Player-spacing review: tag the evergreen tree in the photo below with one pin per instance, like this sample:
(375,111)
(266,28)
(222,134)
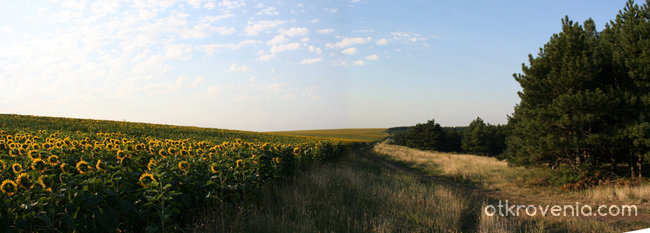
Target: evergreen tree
(564,114)
(628,39)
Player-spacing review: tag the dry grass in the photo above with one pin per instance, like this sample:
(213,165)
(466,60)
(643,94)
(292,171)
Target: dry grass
(493,174)
(630,195)
(361,194)
(353,195)
(486,172)
(364,134)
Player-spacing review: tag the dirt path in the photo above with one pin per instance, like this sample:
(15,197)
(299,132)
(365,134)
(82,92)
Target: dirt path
(642,219)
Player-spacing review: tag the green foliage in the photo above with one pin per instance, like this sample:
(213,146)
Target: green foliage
(78,181)
(429,136)
(484,139)
(584,99)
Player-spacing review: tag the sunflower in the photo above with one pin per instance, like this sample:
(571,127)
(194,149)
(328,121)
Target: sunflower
(162,153)
(239,162)
(39,165)
(34,154)
(152,163)
(3,165)
(36,146)
(296,151)
(14,152)
(171,151)
(120,154)
(53,160)
(276,160)
(81,165)
(185,153)
(144,176)
(63,168)
(213,168)
(99,165)
(17,168)
(23,181)
(9,187)
(41,181)
(183,165)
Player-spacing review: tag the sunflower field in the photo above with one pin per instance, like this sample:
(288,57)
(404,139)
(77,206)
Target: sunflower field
(69,175)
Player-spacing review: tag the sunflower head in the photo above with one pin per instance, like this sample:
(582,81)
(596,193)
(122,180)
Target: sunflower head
(65,168)
(23,181)
(9,187)
(39,165)
(17,168)
(162,153)
(296,151)
(152,164)
(3,165)
(171,151)
(44,183)
(147,179)
(100,166)
(239,163)
(213,168)
(53,160)
(183,165)
(82,167)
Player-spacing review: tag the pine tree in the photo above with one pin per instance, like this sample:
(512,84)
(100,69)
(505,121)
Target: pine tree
(628,39)
(567,93)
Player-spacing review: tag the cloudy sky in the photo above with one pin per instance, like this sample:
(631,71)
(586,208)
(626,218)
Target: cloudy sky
(275,65)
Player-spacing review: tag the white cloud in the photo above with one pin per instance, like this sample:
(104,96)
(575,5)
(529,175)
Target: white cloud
(325,31)
(194,3)
(209,5)
(214,18)
(347,42)
(311,60)
(268,11)
(234,67)
(277,40)
(331,10)
(232,4)
(313,49)
(284,47)
(225,30)
(294,31)
(359,62)
(178,51)
(373,57)
(382,41)
(211,49)
(408,36)
(254,28)
(350,51)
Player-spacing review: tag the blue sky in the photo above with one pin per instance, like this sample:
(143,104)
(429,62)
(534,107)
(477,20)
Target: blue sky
(275,65)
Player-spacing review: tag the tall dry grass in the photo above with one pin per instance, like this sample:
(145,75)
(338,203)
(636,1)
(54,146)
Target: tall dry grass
(360,194)
(493,174)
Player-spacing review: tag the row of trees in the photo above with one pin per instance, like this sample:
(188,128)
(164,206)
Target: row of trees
(585,97)
(478,138)
(585,103)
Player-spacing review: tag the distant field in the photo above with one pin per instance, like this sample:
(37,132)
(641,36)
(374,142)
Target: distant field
(369,134)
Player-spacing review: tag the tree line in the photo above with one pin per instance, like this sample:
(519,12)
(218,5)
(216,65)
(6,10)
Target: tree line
(584,103)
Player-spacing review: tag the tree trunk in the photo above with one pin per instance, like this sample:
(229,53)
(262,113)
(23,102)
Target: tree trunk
(640,166)
(630,164)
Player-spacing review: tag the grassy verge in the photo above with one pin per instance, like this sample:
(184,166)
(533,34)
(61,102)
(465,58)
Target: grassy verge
(359,193)
(496,180)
